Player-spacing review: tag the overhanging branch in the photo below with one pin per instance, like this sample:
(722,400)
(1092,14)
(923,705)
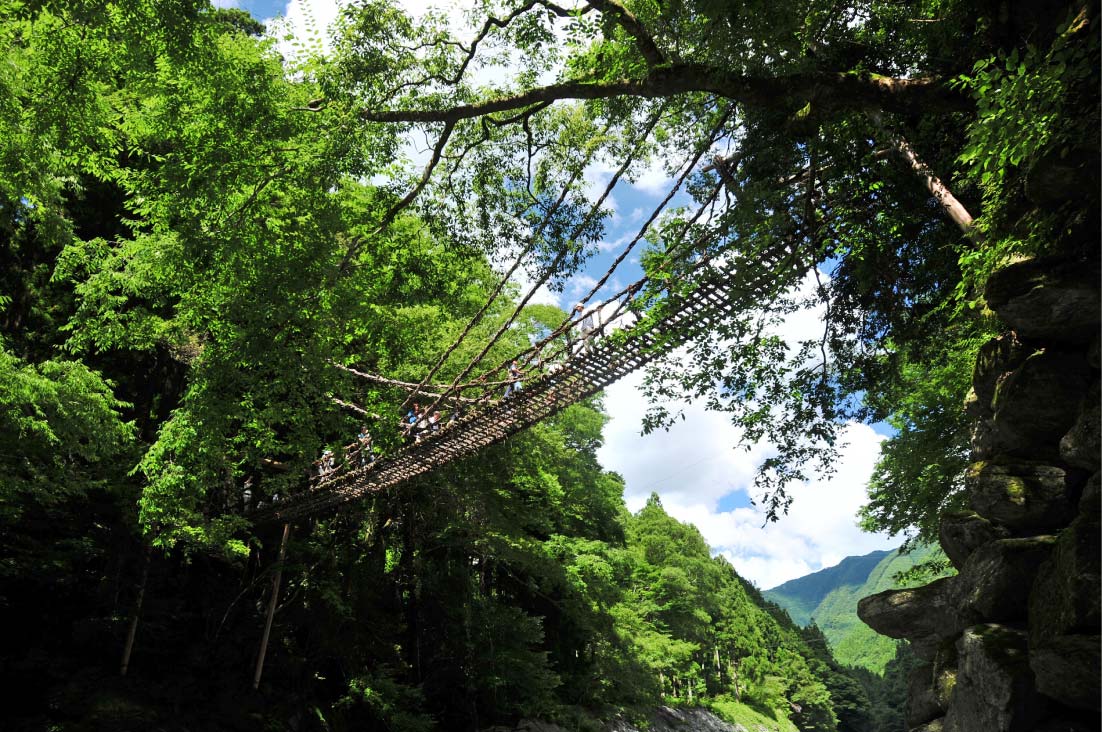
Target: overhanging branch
(830,90)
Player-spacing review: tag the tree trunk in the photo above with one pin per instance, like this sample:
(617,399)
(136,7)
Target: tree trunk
(949,203)
(272,601)
(132,633)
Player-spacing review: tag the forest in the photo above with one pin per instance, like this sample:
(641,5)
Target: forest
(203,230)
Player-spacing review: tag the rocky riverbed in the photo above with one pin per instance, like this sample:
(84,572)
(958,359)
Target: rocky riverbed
(663,719)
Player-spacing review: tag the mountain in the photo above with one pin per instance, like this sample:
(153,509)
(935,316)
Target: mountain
(829,599)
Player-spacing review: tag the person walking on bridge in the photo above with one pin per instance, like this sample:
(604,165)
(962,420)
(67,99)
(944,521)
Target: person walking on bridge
(515,382)
(587,326)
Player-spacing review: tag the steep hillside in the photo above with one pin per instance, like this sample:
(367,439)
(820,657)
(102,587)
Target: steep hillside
(829,599)
(801,597)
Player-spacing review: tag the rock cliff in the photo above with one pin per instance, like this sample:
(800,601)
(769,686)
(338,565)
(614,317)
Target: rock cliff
(1012,642)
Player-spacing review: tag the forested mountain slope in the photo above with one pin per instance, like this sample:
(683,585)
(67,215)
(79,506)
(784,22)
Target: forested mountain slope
(801,596)
(828,598)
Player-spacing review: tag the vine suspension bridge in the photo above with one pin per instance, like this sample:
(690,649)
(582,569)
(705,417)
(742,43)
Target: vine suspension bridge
(627,343)
(698,292)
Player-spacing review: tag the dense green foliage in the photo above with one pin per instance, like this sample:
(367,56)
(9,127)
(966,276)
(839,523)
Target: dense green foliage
(189,242)
(803,108)
(185,255)
(884,691)
(828,600)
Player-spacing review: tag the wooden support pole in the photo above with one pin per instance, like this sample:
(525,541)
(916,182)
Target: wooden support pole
(132,633)
(272,601)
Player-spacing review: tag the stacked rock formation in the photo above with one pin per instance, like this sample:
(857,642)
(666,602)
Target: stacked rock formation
(1012,641)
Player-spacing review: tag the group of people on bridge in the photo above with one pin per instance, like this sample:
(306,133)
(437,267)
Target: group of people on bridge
(418,422)
(360,454)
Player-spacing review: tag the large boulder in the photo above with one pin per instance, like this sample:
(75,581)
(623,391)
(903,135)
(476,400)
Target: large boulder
(962,532)
(994,360)
(1058,176)
(995,689)
(922,697)
(1063,723)
(1028,497)
(1067,668)
(919,614)
(1065,597)
(1038,402)
(994,584)
(1081,447)
(1091,499)
(945,674)
(983,439)
(1048,299)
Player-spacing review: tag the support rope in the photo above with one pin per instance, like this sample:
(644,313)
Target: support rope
(651,123)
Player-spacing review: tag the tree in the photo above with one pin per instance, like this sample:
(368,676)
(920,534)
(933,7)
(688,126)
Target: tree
(812,116)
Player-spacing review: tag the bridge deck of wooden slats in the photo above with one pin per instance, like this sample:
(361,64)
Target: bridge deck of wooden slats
(586,373)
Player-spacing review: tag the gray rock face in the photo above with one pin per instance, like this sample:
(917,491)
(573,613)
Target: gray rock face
(1025,496)
(916,614)
(1037,403)
(1065,597)
(995,689)
(974,407)
(962,532)
(945,674)
(922,698)
(1081,447)
(1047,298)
(994,584)
(1014,641)
(936,725)
(1091,500)
(1067,668)
(1066,724)
(1055,178)
(983,439)
(994,360)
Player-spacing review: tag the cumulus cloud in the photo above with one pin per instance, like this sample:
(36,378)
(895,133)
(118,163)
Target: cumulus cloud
(697,464)
(700,469)
(653,179)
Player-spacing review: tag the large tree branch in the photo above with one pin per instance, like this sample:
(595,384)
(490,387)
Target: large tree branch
(828,90)
(643,40)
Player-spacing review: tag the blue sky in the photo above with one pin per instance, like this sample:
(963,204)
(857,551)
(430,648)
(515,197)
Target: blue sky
(260,9)
(699,468)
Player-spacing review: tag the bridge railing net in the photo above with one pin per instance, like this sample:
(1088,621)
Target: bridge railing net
(590,367)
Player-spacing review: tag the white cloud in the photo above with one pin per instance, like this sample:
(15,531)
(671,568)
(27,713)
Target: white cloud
(698,462)
(614,245)
(542,296)
(653,179)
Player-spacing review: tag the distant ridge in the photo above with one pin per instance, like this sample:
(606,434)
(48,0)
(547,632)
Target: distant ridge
(801,596)
(829,598)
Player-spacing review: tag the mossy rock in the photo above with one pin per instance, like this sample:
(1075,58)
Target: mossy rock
(995,690)
(1026,496)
